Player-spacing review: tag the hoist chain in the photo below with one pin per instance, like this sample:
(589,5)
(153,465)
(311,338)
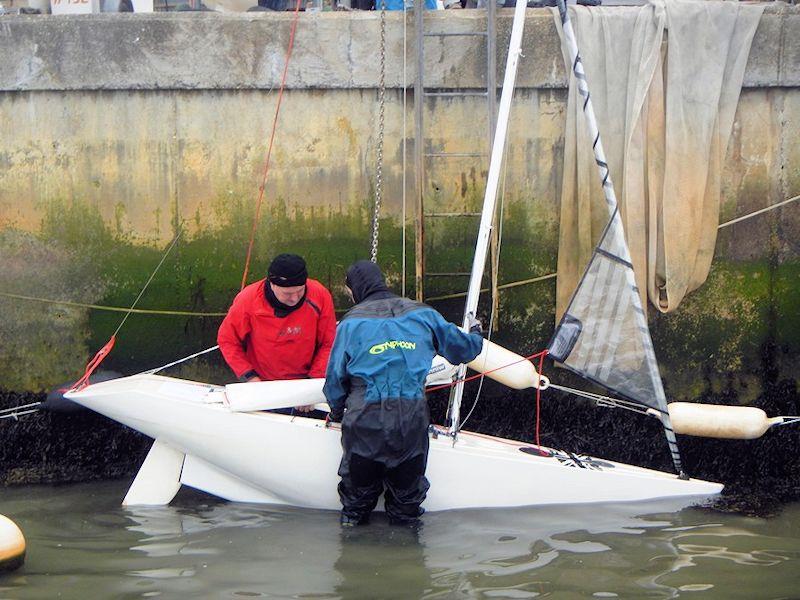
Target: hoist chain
(381,114)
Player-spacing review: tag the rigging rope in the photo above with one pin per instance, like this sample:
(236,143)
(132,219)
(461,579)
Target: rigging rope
(261,188)
(138,311)
(604,401)
(104,351)
(16,415)
(180,360)
(758,212)
(5,411)
(540,355)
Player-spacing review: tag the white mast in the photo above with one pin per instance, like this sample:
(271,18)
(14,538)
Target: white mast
(490,198)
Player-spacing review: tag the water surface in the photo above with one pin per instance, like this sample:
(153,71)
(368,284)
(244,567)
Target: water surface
(83,544)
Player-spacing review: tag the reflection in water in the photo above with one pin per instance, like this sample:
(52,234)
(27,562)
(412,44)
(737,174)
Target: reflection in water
(80,541)
(381,561)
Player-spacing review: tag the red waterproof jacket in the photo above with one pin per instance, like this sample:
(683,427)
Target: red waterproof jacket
(297,346)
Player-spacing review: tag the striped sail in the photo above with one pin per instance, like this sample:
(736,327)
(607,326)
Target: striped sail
(603,334)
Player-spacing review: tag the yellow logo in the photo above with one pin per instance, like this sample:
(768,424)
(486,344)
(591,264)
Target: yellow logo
(391,345)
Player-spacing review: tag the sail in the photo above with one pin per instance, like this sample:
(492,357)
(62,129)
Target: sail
(603,334)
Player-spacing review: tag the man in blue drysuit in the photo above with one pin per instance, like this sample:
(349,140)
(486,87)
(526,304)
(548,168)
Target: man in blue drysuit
(375,385)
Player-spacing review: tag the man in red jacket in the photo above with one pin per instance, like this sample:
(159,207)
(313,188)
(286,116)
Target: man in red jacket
(281,327)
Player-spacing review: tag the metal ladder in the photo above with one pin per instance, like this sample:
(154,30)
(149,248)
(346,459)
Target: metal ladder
(422,157)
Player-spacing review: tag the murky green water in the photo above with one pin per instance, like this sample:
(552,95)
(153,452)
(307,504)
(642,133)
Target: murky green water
(83,544)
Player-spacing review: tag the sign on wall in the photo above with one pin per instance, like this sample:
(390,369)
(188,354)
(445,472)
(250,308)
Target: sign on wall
(74,7)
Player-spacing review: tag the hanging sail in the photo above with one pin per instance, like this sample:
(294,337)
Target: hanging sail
(603,334)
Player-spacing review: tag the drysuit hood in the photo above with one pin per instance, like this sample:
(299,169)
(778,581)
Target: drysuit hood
(364,278)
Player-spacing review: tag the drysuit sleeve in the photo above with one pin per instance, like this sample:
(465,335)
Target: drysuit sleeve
(232,337)
(337,380)
(326,331)
(453,343)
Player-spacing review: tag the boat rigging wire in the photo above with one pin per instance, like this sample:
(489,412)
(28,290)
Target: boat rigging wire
(104,351)
(18,411)
(444,386)
(180,360)
(261,188)
(16,415)
(20,407)
(604,401)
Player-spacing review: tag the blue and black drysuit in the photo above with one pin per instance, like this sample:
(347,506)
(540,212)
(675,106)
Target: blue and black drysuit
(377,368)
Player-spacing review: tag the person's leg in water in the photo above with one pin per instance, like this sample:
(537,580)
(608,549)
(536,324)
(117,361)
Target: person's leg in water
(360,488)
(406,489)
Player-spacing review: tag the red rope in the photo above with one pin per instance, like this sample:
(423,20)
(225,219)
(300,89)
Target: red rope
(539,355)
(542,354)
(271,141)
(94,363)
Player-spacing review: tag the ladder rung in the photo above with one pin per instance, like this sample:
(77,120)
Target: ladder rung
(448,274)
(453,154)
(454,33)
(453,214)
(454,94)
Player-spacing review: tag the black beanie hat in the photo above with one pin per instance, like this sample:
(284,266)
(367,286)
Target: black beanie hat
(287,270)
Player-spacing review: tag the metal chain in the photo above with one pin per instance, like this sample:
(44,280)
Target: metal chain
(373,255)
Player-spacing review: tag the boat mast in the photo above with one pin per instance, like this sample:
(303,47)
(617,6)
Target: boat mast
(490,196)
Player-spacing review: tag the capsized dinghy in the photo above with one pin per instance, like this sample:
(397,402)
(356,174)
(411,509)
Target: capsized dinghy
(202,442)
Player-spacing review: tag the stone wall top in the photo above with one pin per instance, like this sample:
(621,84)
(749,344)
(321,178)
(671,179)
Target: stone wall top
(332,50)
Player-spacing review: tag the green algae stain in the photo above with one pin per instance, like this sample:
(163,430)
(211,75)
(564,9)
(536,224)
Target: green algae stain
(43,344)
(715,339)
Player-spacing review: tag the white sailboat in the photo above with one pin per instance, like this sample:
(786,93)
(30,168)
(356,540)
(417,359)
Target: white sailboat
(217,439)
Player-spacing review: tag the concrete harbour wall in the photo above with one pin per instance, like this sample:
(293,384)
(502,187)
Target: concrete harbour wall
(117,129)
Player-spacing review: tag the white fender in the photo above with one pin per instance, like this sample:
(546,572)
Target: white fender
(516,372)
(158,479)
(12,545)
(714,421)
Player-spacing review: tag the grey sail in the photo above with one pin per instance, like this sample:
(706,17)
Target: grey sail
(603,334)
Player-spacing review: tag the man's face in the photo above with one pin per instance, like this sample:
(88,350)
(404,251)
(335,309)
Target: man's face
(288,295)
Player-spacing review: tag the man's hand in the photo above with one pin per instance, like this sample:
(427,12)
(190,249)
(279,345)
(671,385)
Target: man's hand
(474,324)
(254,378)
(304,409)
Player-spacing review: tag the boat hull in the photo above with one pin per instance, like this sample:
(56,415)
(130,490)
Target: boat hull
(279,459)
